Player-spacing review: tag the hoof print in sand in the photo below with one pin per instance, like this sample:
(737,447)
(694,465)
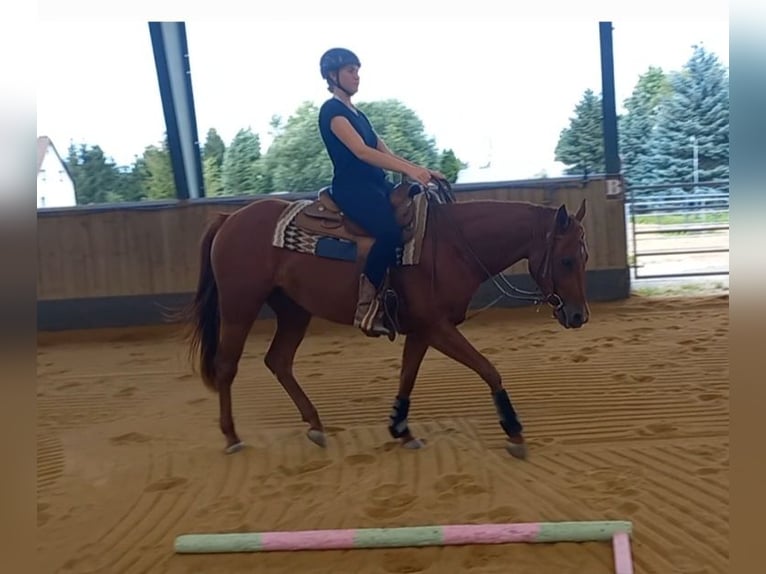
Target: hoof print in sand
(388,501)
(165,484)
(130,438)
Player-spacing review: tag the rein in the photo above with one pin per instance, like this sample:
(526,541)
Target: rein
(500,281)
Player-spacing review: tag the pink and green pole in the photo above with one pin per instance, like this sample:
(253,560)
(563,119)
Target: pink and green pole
(450,535)
(623,560)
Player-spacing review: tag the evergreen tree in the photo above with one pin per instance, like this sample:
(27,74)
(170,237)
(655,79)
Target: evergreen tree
(214,148)
(581,145)
(96,177)
(131,186)
(155,170)
(636,127)
(241,169)
(698,110)
(212,174)
(213,153)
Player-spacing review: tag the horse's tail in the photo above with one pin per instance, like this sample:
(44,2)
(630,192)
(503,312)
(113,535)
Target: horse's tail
(203,313)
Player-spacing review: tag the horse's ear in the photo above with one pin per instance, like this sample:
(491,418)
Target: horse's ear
(562,219)
(581,211)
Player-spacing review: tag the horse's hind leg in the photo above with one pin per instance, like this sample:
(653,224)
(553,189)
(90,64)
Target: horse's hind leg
(236,322)
(292,322)
(232,342)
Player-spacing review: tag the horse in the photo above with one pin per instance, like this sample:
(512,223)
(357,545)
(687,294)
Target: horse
(247,261)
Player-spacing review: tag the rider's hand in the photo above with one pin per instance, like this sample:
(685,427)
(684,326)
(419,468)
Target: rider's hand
(437,175)
(421,175)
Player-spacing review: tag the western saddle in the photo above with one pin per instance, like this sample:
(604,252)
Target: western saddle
(323,216)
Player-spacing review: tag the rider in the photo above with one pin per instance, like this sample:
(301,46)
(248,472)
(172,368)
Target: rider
(359,184)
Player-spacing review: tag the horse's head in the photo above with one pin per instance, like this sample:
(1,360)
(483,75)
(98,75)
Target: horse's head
(558,267)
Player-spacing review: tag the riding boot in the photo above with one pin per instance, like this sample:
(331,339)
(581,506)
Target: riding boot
(370,316)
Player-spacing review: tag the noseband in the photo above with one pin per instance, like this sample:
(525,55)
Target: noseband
(500,281)
(545,274)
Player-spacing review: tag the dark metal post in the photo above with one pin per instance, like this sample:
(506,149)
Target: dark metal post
(174,77)
(608,102)
(609,111)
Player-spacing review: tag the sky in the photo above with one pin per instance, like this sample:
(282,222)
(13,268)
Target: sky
(495,89)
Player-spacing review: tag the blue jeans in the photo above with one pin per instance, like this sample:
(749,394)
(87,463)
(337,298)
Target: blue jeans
(371,209)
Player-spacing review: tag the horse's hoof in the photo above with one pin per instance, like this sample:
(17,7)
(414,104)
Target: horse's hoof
(317,437)
(236,447)
(414,444)
(517,450)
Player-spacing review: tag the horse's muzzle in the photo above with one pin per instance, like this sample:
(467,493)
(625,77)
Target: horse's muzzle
(570,317)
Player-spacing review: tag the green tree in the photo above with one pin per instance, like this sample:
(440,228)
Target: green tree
(213,153)
(450,165)
(96,177)
(403,131)
(131,187)
(698,109)
(214,148)
(296,160)
(154,168)
(581,145)
(212,174)
(241,165)
(636,126)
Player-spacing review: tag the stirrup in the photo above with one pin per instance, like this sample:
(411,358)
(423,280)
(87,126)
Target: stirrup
(373,323)
(390,302)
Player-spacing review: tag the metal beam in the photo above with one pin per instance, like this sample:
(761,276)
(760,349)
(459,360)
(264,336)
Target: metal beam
(608,101)
(171,59)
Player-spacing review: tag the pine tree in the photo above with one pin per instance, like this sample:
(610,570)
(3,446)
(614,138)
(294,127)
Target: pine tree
(214,148)
(96,177)
(241,167)
(156,171)
(581,145)
(635,128)
(213,153)
(697,110)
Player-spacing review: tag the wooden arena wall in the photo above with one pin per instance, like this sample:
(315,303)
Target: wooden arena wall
(118,265)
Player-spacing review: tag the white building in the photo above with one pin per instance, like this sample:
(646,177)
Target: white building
(55,185)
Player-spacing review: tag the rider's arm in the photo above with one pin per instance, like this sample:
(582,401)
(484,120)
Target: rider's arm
(385,149)
(346,133)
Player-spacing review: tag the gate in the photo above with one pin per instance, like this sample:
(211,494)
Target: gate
(678,229)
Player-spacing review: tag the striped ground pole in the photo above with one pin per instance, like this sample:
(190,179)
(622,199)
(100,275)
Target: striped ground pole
(449,535)
(623,561)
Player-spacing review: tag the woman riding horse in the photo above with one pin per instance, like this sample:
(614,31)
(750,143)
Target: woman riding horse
(359,184)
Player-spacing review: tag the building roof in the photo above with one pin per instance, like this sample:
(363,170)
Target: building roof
(42,146)
(43,142)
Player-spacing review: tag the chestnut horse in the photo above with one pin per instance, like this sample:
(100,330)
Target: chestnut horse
(464,244)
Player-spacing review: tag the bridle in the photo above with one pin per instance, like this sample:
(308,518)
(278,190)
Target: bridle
(544,270)
(546,292)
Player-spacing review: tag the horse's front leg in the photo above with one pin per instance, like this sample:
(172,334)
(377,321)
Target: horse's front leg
(447,339)
(415,347)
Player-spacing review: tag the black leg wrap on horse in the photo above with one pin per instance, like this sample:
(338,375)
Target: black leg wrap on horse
(398,418)
(508,419)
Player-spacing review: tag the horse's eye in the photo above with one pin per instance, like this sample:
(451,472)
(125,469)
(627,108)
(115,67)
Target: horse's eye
(567,262)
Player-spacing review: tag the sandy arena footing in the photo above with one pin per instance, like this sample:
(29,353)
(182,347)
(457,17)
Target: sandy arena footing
(627,419)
